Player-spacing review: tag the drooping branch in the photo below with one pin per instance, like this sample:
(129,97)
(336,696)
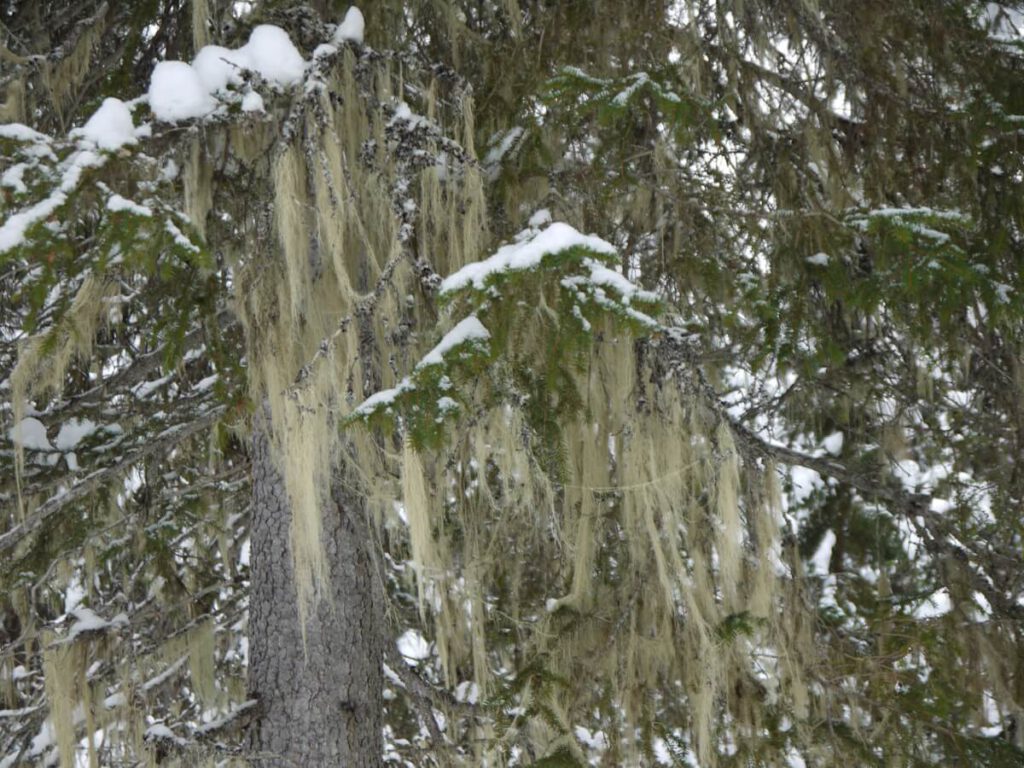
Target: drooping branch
(159,445)
(681,358)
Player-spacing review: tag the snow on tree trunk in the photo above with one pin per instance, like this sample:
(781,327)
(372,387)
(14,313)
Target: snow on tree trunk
(320,696)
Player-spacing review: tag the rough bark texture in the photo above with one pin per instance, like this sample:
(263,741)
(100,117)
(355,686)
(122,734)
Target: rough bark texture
(322,708)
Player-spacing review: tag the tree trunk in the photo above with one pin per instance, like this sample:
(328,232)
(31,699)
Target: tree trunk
(321,708)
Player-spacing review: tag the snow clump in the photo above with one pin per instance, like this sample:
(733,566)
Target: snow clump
(180,91)
(524,254)
(30,433)
(271,53)
(218,67)
(110,126)
(176,92)
(351,28)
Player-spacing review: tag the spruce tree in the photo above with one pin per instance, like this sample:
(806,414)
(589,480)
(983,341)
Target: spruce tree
(511,383)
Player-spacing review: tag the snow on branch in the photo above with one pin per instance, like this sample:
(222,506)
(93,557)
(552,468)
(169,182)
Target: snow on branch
(466,343)
(583,265)
(495,290)
(155,446)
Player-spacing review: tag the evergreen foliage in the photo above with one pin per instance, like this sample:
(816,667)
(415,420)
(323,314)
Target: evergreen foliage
(735,480)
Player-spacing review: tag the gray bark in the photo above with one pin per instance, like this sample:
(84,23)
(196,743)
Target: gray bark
(324,707)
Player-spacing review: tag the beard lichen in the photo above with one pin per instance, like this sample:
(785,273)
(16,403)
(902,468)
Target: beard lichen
(638,552)
(652,563)
(44,359)
(64,677)
(200,23)
(428,553)
(200,649)
(198,182)
(13,108)
(63,78)
(338,247)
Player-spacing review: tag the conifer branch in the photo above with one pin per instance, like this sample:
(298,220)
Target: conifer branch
(683,357)
(159,445)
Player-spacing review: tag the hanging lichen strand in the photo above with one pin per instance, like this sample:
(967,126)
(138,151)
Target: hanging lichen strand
(636,552)
(587,529)
(325,296)
(45,358)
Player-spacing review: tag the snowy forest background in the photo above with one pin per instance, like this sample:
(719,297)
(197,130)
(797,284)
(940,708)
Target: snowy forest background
(512,382)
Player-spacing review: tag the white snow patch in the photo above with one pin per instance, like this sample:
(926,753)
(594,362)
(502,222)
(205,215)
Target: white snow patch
(12,233)
(794,759)
(403,114)
(170,170)
(805,482)
(524,255)
(144,389)
(180,91)
(833,443)
(177,92)
(219,67)
(917,478)
(13,177)
(160,732)
(204,384)
(6,714)
(73,596)
(30,433)
(20,673)
(21,132)
(540,218)
(446,405)
(117,203)
(823,554)
(244,553)
(639,80)
(115,700)
(43,740)
(110,126)
(88,621)
(933,234)
(662,756)
(595,740)
(272,54)
(897,213)
(72,432)
(352,28)
(324,50)
(179,237)
(467,692)
(609,278)
(252,102)
(383,397)
(413,646)
(162,677)
(983,603)
(500,149)
(938,604)
(818,259)
(469,329)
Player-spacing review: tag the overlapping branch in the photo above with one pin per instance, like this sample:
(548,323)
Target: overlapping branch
(681,358)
